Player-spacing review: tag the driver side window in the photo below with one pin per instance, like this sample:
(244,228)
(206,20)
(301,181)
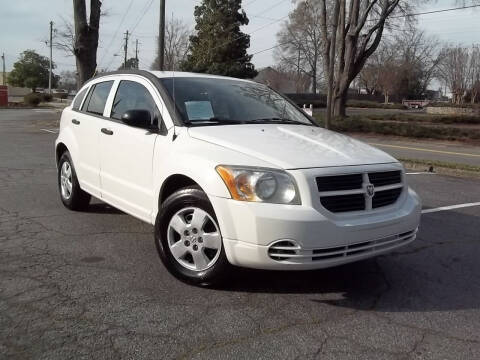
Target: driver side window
(134,96)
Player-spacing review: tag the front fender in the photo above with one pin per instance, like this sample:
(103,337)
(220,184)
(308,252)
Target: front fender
(197,160)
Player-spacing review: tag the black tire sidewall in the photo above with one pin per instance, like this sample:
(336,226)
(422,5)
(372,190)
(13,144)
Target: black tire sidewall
(77,197)
(184,198)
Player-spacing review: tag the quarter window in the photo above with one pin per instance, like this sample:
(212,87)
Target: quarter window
(98,97)
(133,96)
(78,99)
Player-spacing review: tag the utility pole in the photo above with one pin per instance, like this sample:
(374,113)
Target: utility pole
(50,67)
(161,36)
(136,53)
(125,48)
(4,73)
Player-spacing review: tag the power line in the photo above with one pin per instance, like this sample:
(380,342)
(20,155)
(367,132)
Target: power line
(416,14)
(145,8)
(250,33)
(141,17)
(116,31)
(435,11)
(270,8)
(250,2)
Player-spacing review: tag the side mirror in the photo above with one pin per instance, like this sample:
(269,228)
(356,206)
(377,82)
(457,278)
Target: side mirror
(138,118)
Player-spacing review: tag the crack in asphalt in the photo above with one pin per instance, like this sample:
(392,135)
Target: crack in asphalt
(53,305)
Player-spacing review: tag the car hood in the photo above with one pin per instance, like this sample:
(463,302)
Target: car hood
(292,146)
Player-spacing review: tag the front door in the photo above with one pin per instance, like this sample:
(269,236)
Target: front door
(127,152)
(86,126)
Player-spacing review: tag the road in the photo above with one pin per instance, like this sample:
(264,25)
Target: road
(78,285)
(448,151)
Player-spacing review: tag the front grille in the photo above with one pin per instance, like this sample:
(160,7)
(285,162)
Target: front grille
(385,178)
(346,193)
(342,203)
(294,253)
(341,182)
(386,197)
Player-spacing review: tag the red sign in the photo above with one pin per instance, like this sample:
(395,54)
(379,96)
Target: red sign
(3,95)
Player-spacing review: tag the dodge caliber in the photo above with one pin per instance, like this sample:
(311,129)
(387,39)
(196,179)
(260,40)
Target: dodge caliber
(230,173)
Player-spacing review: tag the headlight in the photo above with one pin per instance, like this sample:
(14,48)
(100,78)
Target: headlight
(259,185)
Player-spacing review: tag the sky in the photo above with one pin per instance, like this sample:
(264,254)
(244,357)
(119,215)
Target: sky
(25,25)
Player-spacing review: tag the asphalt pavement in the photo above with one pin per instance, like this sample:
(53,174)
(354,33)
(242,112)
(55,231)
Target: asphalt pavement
(81,285)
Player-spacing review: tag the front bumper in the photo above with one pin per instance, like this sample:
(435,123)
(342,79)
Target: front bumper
(251,230)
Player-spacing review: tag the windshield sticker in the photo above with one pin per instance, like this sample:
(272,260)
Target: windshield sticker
(199,110)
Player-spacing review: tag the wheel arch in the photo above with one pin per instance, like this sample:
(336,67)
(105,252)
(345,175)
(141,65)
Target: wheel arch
(59,150)
(173,183)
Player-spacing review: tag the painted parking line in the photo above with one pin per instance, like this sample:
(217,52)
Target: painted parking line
(451,207)
(44,110)
(53,131)
(425,150)
(421,173)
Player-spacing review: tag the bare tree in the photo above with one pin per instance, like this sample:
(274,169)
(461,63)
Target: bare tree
(300,43)
(368,78)
(418,56)
(177,34)
(68,80)
(474,73)
(64,38)
(284,80)
(454,70)
(351,30)
(86,38)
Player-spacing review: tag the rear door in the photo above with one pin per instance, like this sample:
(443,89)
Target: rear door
(127,152)
(86,124)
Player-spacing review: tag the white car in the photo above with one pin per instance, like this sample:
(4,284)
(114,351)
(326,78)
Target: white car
(230,173)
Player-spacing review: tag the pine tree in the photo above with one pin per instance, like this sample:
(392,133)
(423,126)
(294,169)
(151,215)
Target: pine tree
(219,47)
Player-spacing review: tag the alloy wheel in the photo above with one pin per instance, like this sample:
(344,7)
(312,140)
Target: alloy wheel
(194,239)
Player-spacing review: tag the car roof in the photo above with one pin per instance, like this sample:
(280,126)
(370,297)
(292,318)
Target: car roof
(165,74)
(170,74)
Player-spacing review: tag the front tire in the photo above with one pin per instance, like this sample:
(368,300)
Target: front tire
(72,196)
(188,238)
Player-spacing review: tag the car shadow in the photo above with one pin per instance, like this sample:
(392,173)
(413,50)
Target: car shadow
(103,208)
(437,272)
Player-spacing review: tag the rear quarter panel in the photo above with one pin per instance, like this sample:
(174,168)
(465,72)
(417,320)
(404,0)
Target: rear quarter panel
(66,135)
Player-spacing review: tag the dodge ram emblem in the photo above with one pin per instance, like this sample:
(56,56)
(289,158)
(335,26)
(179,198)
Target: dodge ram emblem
(370,190)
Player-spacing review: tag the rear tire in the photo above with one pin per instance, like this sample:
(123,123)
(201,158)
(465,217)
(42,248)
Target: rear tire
(188,238)
(72,196)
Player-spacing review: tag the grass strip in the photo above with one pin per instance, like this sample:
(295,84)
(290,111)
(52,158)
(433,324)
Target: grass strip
(406,129)
(442,167)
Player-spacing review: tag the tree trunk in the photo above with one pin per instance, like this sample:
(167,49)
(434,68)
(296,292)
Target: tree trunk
(340,105)
(314,81)
(86,38)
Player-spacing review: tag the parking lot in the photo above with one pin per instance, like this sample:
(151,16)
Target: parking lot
(90,284)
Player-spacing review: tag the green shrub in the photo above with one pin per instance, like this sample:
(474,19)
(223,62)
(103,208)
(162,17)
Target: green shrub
(32,99)
(422,118)
(61,95)
(46,97)
(407,129)
(374,105)
(449,104)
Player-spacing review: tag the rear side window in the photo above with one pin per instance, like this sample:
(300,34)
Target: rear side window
(98,97)
(133,96)
(78,99)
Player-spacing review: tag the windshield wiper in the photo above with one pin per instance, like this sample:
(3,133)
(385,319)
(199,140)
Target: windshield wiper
(276,120)
(214,121)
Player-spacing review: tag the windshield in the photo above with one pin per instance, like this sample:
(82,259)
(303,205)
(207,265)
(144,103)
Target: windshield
(211,101)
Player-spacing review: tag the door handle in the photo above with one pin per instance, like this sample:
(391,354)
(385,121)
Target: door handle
(107,131)
(75,121)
